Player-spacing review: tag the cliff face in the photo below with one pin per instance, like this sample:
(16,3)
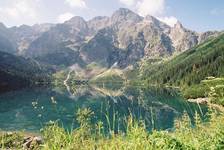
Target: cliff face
(122,39)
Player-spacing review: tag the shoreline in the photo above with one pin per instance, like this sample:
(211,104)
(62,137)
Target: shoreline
(26,140)
(199,100)
(206,101)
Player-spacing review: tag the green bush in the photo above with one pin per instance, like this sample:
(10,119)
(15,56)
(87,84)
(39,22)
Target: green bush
(11,140)
(217,94)
(211,87)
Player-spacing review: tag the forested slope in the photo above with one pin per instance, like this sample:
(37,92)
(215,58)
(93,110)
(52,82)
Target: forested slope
(190,67)
(17,72)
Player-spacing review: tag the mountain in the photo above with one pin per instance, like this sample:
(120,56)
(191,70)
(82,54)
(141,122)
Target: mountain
(182,38)
(61,41)
(127,38)
(24,35)
(108,45)
(98,23)
(124,39)
(190,67)
(18,72)
(7,43)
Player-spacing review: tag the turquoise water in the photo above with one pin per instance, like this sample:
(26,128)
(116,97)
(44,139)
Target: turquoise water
(30,109)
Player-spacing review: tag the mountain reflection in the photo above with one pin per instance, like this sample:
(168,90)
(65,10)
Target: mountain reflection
(30,109)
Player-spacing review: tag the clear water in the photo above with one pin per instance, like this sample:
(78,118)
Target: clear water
(31,109)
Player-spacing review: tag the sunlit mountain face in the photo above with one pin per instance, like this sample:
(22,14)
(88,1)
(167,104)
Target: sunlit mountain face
(124,37)
(123,41)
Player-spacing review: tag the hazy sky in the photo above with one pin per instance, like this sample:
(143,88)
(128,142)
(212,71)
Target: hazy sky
(199,15)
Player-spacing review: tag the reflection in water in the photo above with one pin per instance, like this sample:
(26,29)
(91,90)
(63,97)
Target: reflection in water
(30,109)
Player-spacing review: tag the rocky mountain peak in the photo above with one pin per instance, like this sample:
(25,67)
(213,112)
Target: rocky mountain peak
(43,27)
(124,14)
(2,26)
(183,38)
(75,21)
(23,26)
(150,18)
(99,18)
(178,25)
(7,43)
(123,11)
(156,23)
(98,23)
(125,38)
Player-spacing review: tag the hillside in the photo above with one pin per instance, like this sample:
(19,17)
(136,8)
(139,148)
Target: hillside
(7,42)
(18,72)
(190,67)
(123,39)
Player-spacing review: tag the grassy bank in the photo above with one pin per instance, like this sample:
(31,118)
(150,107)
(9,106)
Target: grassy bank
(211,87)
(187,134)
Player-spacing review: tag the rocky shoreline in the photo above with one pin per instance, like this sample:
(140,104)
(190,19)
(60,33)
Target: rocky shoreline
(27,141)
(199,100)
(206,101)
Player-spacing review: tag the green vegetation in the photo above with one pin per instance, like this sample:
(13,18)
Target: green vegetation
(93,65)
(59,77)
(216,93)
(193,71)
(190,67)
(204,88)
(187,134)
(17,72)
(11,140)
(111,76)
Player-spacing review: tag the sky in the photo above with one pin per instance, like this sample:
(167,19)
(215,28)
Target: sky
(198,15)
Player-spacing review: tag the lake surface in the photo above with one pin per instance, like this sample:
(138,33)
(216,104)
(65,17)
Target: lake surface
(30,109)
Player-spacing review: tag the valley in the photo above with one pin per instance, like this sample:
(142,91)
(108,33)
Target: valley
(111,79)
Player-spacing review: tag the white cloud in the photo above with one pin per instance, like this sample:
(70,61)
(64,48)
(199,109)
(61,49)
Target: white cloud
(20,10)
(154,8)
(128,2)
(151,7)
(64,17)
(171,21)
(146,7)
(76,3)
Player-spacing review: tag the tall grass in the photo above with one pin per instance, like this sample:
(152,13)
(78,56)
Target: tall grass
(201,135)
(186,134)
